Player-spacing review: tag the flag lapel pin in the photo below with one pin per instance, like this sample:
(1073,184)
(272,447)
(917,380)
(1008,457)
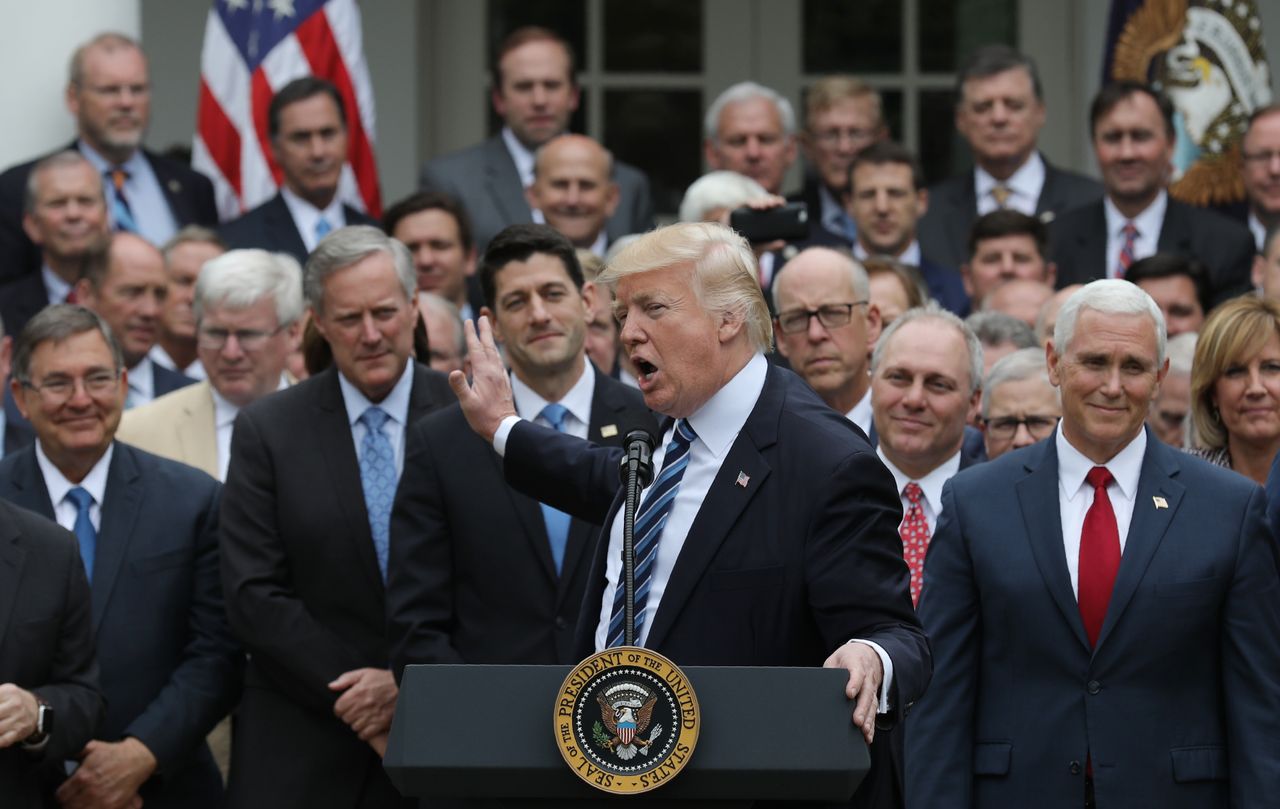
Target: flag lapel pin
(608,431)
(1160,502)
(743,479)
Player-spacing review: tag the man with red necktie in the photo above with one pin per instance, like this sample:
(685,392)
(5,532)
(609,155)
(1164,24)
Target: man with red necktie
(1102,608)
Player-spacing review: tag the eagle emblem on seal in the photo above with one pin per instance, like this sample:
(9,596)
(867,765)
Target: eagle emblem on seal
(626,710)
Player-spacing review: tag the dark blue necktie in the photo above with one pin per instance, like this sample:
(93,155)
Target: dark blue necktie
(378,479)
(650,520)
(86,534)
(557,522)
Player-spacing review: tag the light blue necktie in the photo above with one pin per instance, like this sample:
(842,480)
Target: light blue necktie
(322,228)
(557,522)
(378,479)
(651,518)
(86,534)
(121,212)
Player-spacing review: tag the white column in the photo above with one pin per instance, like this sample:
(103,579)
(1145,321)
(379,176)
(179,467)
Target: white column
(36,43)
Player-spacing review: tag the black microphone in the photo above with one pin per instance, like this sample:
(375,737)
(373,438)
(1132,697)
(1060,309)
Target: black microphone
(638,457)
(637,472)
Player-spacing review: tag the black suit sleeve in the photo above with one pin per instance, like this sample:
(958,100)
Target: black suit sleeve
(18,255)
(571,474)
(420,598)
(205,685)
(265,611)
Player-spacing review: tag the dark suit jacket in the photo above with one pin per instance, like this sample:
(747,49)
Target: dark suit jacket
(819,236)
(188,192)
(170,668)
(1175,706)
(46,645)
(779,572)
(270,227)
(17,430)
(484,178)
(945,286)
(953,208)
(1078,243)
(305,595)
(471,578)
(166,380)
(20,300)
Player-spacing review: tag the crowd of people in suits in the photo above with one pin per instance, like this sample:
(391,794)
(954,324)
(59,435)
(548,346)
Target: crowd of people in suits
(251,470)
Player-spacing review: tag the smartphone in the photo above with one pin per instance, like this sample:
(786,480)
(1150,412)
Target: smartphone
(789,222)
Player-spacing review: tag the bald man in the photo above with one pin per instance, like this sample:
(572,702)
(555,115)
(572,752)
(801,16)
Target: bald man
(574,190)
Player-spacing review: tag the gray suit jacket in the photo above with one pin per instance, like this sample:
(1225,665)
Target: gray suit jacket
(485,179)
(953,208)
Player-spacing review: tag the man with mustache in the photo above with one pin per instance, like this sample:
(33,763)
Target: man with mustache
(109,94)
(307,122)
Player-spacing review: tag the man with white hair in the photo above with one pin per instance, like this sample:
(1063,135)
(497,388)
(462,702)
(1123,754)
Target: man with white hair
(1102,608)
(715,193)
(1167,416)
(247,306)
(751,129)
(1019,404)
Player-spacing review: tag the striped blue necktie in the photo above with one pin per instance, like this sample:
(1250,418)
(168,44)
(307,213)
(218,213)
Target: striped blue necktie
(651,519)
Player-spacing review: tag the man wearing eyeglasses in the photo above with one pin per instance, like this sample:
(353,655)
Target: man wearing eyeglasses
(1260,154)
(109,94)
(1019,404)
(248,305)
(147,533)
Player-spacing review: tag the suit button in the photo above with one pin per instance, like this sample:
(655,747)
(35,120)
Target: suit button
(1075,768)
(561,623)
(1094,686)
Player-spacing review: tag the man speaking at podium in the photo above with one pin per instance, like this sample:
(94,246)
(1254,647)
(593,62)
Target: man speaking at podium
(777,543)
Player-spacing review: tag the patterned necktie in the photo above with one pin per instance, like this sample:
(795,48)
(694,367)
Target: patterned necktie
(1126,249)
(915,537)
(557,522)
(651,517)
(1001,193)
(378,479)
(1099,555)
(322,228)
(120,210)
(86,534)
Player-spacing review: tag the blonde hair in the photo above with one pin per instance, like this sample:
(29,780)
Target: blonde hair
(1233,333)
(828,91)
(724,271)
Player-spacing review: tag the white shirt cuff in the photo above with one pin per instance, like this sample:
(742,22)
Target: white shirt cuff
(500,436)
(887,682)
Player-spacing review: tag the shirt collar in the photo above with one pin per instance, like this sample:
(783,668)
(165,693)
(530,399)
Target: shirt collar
(396,404)
(133,166)
(142,378)
(305,215)
(719,421)
(522,156)
(1125,467)
(911,255)
(931,484)
(224,411)
(861,413)
(1258,230)
(577,401)
(1147,222)
(601,245)
(1027,181)
(95,483)
(55,288)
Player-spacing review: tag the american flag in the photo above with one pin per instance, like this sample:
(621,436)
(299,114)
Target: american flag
(251,49)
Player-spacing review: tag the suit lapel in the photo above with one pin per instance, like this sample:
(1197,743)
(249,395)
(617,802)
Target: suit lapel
(12,558)
(26,484)
(282,229)
(1092,244)
(1146,529)
(1042,519)
(172,189)
(504,184)
(122,503)
(1175,230)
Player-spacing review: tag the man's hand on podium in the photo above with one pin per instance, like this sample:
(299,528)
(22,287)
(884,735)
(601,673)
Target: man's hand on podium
(865,675)
(487,399)
(367,702)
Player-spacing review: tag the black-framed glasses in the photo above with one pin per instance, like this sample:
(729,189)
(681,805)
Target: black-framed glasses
(214,339)
(58,389)
(831,316)
(1007,426)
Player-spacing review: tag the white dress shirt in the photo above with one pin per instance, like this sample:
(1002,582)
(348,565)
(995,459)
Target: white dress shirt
(161,357)
(147,202)
(1148,224)
(142,383)
(930,486)
(1075,495)
(1258,230)
(95,483)
(861,414)
(306,216)
(1024,186)
(224,421)
(911,255)
(577,401)
(396,405)
(54,287)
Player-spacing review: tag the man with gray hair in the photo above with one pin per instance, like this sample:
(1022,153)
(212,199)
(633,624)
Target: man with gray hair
(247,307)
(1019,404)
(446,341)
(926,384)
(751,129)
(306,517)
(1000,334)
(109,94)
(1167,416)
(184,255)
(1102,608)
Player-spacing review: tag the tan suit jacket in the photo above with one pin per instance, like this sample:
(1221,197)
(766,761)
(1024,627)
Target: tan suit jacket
(178,426)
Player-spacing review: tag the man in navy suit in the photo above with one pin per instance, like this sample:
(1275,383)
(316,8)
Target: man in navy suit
(780,545)
(307,125)
(1103,609)
(480,573)
(886,200)
(147,531)
(109,93)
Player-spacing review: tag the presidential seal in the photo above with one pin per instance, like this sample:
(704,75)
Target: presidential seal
(626,720)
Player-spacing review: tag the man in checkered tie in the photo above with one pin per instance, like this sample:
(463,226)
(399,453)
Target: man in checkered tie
(775,536)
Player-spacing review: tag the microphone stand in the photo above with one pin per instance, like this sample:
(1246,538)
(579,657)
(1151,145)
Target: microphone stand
(637,472)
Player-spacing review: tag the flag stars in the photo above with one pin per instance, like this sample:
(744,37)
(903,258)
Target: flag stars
(282,8)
